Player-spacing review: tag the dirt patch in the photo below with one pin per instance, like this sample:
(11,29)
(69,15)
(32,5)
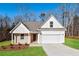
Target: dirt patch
(13,47)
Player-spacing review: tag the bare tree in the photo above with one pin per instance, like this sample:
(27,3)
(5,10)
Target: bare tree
(42,16)
(18,19)
(5,28)
(30,16)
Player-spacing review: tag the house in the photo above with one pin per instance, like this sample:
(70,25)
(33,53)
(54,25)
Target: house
(50,31)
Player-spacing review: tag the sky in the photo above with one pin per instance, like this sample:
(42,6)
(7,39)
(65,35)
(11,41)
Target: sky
(13,9)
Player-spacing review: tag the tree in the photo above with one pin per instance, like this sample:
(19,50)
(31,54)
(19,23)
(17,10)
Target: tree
(42,16)
(5,28)
(30,16)
(1,22)
(24,10)
(17,19)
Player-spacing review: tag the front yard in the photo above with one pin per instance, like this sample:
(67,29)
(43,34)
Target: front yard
(35,51)
(4,43)
(30,51)
(74,43)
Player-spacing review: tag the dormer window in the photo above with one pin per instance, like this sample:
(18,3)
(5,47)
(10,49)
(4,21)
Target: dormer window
(51,24)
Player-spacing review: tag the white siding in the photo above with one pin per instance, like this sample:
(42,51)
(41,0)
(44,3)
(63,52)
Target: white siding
(21,29)
(56,24)
(52,32)
(22,41)
(19,40)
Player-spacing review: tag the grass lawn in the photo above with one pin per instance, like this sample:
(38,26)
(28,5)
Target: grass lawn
(30,51)
(4,43)
(74,43)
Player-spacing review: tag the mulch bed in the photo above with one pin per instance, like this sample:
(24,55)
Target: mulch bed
(13,47)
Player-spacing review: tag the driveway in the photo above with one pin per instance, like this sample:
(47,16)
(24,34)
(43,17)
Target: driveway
(59,50)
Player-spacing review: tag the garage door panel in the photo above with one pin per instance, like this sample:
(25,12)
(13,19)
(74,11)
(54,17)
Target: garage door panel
(52,38)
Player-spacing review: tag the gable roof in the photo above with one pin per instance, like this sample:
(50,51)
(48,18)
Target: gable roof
(17,26)
(49,18)
(33,26)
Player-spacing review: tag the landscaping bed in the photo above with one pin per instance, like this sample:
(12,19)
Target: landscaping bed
(30,51)
(13,47)
(7,49)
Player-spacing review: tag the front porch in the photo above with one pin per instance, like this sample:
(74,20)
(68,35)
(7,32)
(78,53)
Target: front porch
(24,38)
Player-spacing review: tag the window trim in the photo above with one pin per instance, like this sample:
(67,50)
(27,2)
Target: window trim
(22,36)
(51,24)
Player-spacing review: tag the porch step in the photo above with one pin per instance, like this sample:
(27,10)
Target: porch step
(35,44)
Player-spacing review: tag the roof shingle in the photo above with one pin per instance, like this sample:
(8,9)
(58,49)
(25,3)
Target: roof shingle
(33,25)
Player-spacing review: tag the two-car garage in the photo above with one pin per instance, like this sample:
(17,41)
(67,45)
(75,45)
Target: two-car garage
(47,37)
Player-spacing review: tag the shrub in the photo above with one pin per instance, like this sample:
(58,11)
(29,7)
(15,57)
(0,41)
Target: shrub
(19,47)
(11,44)
(20,44)
(3,47)
(26,44)
(12,47)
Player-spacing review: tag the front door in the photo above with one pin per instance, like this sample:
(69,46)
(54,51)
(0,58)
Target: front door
(34,37)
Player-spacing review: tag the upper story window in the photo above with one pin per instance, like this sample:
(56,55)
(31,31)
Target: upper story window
(22,36)
(51,23)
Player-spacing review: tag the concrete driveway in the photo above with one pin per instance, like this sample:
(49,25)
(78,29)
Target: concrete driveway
(59,50)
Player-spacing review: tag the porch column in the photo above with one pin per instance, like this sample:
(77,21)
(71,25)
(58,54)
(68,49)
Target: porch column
(38,38)
(29,35)
(11,38)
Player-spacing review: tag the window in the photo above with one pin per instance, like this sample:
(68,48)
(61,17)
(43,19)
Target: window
(51,23)
(22,36)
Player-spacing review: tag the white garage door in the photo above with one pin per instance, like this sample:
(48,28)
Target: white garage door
(52,38)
